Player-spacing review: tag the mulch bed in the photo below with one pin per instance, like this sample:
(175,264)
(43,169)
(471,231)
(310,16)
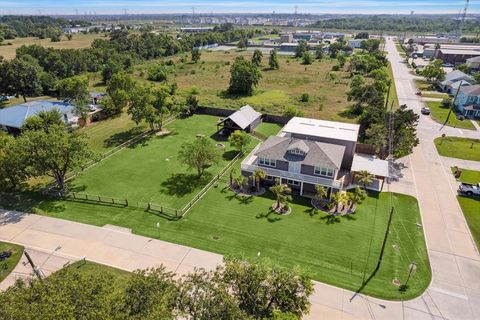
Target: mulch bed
(281,209)
(246,193)
(322,206)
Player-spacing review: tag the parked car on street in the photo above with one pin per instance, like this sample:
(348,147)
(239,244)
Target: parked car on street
(425,110)
(469,189)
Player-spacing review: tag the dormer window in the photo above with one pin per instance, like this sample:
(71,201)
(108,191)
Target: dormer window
(297,151)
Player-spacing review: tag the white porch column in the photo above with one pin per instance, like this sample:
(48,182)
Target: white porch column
(301,188)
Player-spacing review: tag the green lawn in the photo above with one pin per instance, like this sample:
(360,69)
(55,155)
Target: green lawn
(435,95)
(470,210)
(91,268)
(340,251)
(469,176)
(150,172)
(439,113)
(456,147)
(424,85)
(393,90)
(107,134)
(7,265)
(268,129)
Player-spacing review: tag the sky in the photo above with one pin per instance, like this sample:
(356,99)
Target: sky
(230,6)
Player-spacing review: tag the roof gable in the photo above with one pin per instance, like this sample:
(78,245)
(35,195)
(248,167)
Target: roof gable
(245,116)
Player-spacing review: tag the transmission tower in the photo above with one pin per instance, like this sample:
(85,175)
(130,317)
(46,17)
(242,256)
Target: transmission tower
(296,10)
(464,15)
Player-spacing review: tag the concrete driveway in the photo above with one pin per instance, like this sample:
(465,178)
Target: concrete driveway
(453,294)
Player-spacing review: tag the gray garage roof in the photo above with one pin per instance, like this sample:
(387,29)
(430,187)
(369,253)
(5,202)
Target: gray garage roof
(245,116)
(15,116)
(319,154)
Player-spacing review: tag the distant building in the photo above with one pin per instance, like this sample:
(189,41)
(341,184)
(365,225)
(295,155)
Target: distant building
(12,118)
(288,47)
(355,43)
(456,56)
(196,29)
(468,101)
(286,38)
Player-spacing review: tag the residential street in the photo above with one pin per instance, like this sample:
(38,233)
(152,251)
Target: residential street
(453,294)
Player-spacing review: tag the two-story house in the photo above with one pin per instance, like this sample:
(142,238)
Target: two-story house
(468,101)
(309,152)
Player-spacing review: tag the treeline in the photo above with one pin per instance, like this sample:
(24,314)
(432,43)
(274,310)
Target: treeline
(237,290)
(383,123)
(399,24)
(42,27)
(36,69)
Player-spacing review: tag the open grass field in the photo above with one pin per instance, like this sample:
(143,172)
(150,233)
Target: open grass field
(424,85)
(277,88)
(457,147)
(7,265)
(439,113)
(78,41)
(470,211)
(107,134)
(342,251)
(149,170)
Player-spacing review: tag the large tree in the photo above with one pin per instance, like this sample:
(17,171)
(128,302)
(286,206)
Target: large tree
(75,89)
(301,48)
(196,54)
(118,89)
(257,58)
(198,154)
(244,76)
(21,76)
(273,60)
(434,71)
(54,152)
(13,170)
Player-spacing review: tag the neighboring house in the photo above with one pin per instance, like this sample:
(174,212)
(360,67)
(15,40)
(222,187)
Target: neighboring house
(468,101)
(309,152)
(355,43)
(246,119)
(474,63)
(448,85)
(12,118)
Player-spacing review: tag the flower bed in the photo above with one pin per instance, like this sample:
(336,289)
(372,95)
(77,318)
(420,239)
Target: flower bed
(324,205)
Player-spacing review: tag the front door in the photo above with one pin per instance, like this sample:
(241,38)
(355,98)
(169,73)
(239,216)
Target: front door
(294,167)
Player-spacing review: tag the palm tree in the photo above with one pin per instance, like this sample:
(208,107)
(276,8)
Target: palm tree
(356,196)
(258,176)
(338,199)
(241,181)
(232,173)
(281,192)
(364,178)
(321,192)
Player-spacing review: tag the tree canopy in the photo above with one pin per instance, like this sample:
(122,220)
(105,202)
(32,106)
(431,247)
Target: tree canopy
(244,76)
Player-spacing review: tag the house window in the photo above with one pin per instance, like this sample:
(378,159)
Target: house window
(269,178)
(326,172)
(293,182)
(267,162)
(297,151)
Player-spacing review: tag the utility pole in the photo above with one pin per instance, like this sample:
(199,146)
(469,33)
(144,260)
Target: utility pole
(412,266)
(452,106)
(34,268)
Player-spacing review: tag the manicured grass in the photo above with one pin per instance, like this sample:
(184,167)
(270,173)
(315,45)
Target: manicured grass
(88,268)
(469,176)
(470,210)
(150,171)
(109,133)
(438,95)
(268,129)
(439,113)
(342,251)
(457,147)
(276,89)
(424,85)
(393,90)
(78,41)
(7,265)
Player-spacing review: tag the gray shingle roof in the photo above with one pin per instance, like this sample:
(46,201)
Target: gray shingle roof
(457,74)
(245,116)
(474,59)
(471,90)
(319,154)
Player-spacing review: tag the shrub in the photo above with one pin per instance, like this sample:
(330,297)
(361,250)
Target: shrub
(461,117)
(305,97)
(336,67)
(194,90)
(193,71)
(157,73)
(447,102)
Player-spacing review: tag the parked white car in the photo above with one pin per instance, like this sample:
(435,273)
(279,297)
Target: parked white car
(469,189)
